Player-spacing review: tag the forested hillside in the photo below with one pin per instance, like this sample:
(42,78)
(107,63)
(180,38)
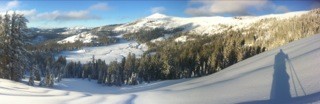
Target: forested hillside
(172,53)
(198,55)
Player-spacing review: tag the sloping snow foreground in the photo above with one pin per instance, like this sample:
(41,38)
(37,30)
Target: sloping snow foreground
(255,80)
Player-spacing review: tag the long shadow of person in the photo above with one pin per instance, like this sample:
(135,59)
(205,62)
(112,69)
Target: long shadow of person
(280,91)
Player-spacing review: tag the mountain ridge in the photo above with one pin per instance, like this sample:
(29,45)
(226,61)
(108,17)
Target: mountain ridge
(196,25)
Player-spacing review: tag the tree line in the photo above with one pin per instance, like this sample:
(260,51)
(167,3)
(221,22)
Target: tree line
(17,57)
(14,57)
(168,60)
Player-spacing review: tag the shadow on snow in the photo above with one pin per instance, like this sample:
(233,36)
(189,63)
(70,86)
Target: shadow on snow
(280,89)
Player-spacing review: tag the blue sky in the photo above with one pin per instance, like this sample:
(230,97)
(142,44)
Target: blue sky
(68,13)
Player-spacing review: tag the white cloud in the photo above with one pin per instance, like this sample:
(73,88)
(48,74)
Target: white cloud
(158,9)
(218,7)
(230,7)
(99,6)
(32,15)
(64,16)
(27,12)
(56,15)
(72,15)
(46,16)
(10,5)
(77,15)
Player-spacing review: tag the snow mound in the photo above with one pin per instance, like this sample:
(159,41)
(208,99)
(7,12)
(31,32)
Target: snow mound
(288,74)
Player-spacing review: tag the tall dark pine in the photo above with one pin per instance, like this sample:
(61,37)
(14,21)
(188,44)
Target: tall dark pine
(14,55)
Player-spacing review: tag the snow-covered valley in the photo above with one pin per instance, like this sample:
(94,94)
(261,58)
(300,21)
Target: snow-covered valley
(269,77)
(108,53)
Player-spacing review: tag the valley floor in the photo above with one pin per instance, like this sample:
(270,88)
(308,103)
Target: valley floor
(114,52)
(275,76)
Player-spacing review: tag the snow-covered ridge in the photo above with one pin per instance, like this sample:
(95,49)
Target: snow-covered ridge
(77,28)
(156,16)
(197,25)
(200,25)
(84,37)
(74,30)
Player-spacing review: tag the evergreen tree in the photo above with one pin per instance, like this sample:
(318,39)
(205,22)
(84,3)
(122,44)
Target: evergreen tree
(14,55)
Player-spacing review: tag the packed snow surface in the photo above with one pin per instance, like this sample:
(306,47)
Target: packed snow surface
(291,74)
(108,53)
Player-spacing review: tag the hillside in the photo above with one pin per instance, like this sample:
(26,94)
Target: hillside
(255,80)
(108,53)
(201,25)
(193,25)
(267,31)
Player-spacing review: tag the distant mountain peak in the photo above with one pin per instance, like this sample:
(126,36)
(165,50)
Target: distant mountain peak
(157,15)
(77,27)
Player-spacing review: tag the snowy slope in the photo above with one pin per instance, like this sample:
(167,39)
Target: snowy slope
(84,37)
(196,25)
(74,30)
(108,53)
(199,25)
(254,80)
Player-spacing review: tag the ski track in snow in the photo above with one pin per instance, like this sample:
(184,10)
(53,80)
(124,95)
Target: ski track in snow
(255,80)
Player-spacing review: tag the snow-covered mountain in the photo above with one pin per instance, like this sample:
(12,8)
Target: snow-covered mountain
(74,30)
(203,25)
(40,35)
(288,73)
(200,25)
(84,37)
(193,25)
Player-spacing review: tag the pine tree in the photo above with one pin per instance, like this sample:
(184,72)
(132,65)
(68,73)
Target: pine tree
(167,66)
(130,68)
(31,78)
(121,70)
(60,64)
(14,59)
